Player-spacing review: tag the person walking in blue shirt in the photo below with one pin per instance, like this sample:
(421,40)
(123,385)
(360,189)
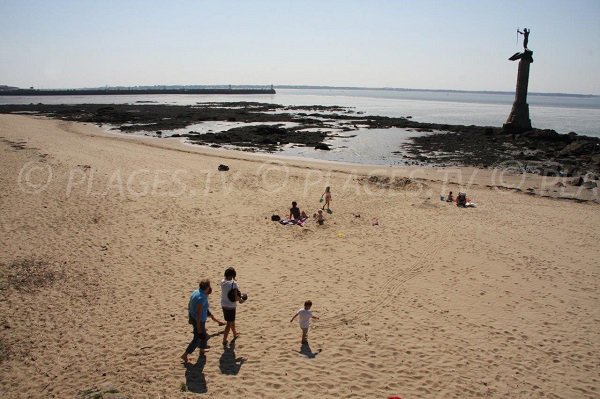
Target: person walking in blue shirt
(198,312)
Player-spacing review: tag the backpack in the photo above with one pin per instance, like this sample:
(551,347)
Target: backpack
(231,295)
(275,218)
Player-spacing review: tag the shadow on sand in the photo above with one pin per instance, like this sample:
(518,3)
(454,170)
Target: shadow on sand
(228,363)
(194,376)
(306,351)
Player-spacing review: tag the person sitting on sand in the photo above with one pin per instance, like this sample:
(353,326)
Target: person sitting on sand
(450,197)
(320,218)
(197,314)
(304,315)
(295,212)
(461,200)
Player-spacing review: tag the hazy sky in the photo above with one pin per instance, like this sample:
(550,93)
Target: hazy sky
(454,44)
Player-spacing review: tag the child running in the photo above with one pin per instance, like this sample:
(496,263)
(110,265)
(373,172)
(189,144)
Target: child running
(304,315)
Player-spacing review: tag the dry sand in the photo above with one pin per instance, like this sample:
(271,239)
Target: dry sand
(114,232)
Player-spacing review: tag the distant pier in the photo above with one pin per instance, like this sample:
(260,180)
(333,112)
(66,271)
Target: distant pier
(132,91)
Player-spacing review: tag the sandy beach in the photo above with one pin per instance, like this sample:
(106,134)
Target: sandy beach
(105,236)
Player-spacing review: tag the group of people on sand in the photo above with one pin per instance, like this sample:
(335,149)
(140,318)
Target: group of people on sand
(199,312)
(461,200)
(300,217)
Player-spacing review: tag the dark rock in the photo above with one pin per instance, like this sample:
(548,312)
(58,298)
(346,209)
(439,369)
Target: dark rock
(322,146)
(264,136)
(577,181)
(549,172)
(579,147)
(591,176)
(546,135)
(571,172)
(445,144)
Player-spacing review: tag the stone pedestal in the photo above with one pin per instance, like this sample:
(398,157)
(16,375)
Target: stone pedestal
(518,121)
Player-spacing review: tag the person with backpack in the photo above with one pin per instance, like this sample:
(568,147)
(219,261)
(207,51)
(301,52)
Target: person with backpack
(230,297)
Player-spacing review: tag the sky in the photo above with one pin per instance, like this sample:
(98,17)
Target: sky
(424,44)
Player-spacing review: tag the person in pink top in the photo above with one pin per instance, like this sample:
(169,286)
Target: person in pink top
(304,315)
(327,195)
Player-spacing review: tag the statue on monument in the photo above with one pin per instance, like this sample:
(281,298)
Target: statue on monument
(527,53)
(518,121)
(525,34)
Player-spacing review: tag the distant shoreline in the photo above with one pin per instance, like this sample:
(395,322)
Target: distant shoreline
(433,90)
(119,91)
(248,89)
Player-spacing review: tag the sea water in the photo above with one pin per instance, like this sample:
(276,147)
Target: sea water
(563,113)
(580,114)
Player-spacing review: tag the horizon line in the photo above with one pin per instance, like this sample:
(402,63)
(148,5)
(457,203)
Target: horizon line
(432,90)
(318,87)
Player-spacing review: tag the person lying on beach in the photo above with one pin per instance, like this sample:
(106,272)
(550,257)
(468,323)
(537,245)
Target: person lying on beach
(304,315)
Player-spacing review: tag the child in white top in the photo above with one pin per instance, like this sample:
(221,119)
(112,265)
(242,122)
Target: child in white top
(304,315)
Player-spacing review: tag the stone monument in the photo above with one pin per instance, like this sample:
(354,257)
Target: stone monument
(518,121)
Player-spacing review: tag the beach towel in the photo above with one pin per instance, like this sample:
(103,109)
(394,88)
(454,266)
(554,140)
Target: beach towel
(300,222)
